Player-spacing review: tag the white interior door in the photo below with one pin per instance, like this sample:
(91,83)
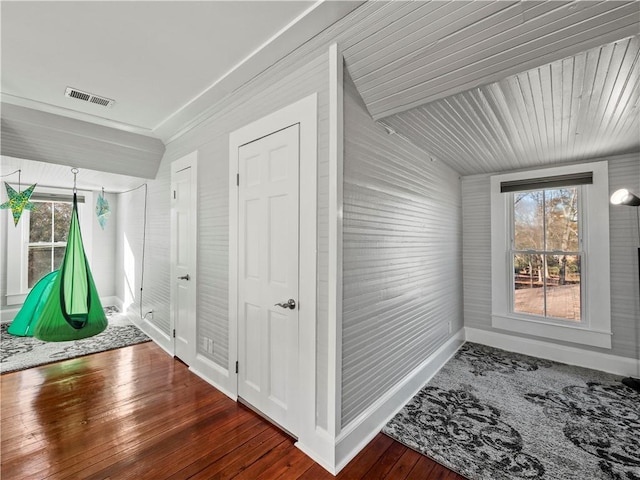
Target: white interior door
(268,275)
(184,262)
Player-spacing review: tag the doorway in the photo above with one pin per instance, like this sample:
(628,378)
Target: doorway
(273,265)
(184,211)
(268,274)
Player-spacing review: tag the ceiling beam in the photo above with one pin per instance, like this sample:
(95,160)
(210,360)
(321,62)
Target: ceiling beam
(46,137)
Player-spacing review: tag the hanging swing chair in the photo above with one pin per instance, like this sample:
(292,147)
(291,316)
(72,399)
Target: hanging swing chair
(26,319)
(73,309)
(67,305)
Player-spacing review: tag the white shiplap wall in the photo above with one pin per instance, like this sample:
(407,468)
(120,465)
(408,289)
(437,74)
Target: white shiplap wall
(624,171)
(129,267)
(401,257)
(281,86)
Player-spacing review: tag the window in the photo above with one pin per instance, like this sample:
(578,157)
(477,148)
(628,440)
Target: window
(36,245)
(48,228)
(550,253)
(545,253)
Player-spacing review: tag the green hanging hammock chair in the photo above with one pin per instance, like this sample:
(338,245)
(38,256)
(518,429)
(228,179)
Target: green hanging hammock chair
(72,309)
(26,319)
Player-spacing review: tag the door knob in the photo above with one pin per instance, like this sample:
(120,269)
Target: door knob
(291,303)
(184,277)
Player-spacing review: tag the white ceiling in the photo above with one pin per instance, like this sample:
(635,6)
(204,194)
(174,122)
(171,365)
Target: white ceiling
(578,108)
(447,75)
(158,60)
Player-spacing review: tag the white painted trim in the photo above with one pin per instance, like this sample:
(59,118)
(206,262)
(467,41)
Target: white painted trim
(320,15)
(568,333)
(161,339)
(74,114)
(336,168)
(188,161)
(321,450)
(595,329)
(560,353)
(304,113)
(359,432)
(111,301)
(213,374)
(8,314)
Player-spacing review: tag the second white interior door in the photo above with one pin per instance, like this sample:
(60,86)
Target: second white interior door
(268,224)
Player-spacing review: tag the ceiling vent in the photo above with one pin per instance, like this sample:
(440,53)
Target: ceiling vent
(88,97)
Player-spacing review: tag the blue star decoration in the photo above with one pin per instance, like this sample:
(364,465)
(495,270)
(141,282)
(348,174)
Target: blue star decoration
(18,201)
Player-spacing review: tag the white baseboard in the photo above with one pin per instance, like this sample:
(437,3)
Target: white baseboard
(111,301)
(359,432)
(152,331)
(551,351)
(214,374)
(320,447)
(7,314)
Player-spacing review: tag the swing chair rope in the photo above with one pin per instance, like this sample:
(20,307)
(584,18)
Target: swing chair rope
(12,173)
(144,238)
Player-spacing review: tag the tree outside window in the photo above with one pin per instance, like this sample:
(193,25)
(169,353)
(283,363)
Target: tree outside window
(545,253)
(48,229)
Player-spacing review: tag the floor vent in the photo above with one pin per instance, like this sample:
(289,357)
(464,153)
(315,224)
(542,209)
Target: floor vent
(88,97)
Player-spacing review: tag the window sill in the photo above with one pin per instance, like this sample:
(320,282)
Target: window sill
(567,333)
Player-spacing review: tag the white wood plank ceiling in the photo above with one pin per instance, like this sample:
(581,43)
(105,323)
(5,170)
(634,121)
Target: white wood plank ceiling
(585,106)
(407,54)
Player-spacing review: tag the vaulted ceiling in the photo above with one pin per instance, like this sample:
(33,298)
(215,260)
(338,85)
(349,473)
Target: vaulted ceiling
(585,106)
(494,86)
(482,86)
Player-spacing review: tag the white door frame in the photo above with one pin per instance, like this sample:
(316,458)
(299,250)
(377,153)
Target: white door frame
(304,113)
(188,161)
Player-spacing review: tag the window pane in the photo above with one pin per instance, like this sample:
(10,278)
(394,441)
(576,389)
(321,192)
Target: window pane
(40,223)
(528,215)
(561,210)
(528,284)
(58,255)
(61,221)
(563,287)
(39,264)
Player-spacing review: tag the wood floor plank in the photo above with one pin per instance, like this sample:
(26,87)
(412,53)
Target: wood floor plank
(404,465)
(137,413)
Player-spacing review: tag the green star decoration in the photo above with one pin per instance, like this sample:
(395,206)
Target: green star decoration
(18,201)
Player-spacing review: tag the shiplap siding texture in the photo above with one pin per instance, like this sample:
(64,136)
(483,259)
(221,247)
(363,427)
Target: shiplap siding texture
(569,110)
(624,171)
(401,257)
(285,84)
(301,73)
(51,138)
(153,276)
(411,53)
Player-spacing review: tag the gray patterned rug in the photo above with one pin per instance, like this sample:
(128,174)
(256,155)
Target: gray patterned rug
(19,353)
(491,415)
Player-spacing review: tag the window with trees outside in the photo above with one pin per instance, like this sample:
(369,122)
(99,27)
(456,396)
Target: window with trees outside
(546,253)
(48,229)
(550,267)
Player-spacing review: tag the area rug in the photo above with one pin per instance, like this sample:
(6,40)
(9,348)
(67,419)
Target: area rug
(19,353)
(490,415)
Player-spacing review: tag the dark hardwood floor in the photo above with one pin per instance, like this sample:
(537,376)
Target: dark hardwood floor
(137,413)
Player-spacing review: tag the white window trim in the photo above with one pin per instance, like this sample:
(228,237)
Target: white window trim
(18,244)
(595,328)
